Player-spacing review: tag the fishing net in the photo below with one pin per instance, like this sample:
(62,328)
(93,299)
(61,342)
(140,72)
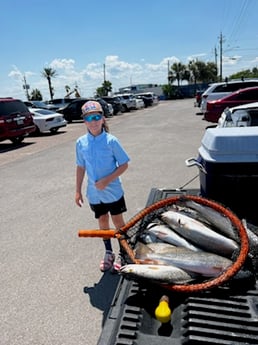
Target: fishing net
(131,232)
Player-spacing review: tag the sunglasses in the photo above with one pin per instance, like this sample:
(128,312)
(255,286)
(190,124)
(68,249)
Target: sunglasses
(93,117)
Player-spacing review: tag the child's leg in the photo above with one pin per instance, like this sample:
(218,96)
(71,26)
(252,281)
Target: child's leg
(109,257)
(118,222)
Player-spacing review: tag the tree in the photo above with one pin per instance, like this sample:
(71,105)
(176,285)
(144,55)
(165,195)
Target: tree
(104,89)
(245,74)
(49,73)
(36,95)
(203,72)
(179,71)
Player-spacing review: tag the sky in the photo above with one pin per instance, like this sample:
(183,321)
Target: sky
(124,42)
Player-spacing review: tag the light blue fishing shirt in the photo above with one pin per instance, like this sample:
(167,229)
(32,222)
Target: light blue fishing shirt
(100,156)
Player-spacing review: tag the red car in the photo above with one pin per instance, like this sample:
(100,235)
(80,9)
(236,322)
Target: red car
(16,122)
(242,96)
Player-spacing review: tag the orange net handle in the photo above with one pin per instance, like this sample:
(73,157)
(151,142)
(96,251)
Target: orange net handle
(97,233)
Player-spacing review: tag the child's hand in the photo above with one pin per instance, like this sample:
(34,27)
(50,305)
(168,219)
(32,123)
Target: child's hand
(102,184)
(79,199)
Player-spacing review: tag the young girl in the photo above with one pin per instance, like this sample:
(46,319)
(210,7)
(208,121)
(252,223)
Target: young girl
(101,156)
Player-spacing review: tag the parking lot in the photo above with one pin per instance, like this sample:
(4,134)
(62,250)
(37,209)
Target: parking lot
(52,291)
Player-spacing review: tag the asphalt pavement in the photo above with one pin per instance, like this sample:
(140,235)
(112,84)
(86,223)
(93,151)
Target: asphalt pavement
(52,292)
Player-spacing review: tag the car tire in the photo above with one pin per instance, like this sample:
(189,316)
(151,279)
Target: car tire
(17,140)
(53,130)
(125,109)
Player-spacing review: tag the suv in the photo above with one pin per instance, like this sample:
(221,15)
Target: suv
(16,122)
(220,90)
(72,111)
(128,101)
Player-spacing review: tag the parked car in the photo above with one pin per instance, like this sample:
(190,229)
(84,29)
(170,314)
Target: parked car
(128,101)
(16,121)
(242,96)
(139,102)
(108,112)
(72,111)
(198,98)
(36,104)
(116,103)
(47,120)
(149,98)
(241,116)
(58,103)
(220,90)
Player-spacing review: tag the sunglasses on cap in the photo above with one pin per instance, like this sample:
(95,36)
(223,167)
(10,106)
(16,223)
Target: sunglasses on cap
(93,117)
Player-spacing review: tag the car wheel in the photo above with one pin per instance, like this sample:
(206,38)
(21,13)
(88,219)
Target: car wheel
(17,140)
(124,108)
(53,130)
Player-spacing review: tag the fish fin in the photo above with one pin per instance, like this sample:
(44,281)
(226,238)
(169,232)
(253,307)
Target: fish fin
(141,250)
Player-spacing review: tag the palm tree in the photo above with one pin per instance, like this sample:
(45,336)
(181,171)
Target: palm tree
(36,95)
(179,71)
(49,73)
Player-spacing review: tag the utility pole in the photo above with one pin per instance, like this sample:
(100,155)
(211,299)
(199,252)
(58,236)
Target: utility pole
(221,50)
(26,88)
(216,57)
(168,72)
(104,72)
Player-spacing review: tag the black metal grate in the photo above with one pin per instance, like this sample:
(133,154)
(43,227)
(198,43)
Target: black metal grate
(227,320)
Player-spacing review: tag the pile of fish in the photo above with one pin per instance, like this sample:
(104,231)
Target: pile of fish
(189,242)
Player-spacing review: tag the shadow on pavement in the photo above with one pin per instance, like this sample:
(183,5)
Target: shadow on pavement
(102,293)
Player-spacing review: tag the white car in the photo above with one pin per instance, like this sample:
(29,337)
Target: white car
(241,116)
(139,103)
(47,120)
(223,89)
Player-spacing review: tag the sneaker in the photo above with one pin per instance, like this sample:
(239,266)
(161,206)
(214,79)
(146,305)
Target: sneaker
(107,262)
(118,263)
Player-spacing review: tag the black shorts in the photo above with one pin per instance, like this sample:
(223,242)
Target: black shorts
(114,208)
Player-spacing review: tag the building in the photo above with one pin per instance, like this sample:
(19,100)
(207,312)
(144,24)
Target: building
(140,88)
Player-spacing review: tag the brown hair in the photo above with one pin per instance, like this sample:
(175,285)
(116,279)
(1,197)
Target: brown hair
(105,125)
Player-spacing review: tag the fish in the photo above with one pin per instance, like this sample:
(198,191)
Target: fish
(164,233)
(215,218)
(252,237)
(203,263)
(156,273)
(199,234)
(159,247)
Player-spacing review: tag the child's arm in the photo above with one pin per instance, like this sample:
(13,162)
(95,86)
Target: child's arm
(80,172)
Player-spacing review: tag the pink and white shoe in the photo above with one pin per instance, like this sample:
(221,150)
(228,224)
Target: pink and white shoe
(107,263)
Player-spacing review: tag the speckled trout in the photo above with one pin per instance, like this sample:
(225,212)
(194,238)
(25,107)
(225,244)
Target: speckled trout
(157,273)
(199,234)
(202,263)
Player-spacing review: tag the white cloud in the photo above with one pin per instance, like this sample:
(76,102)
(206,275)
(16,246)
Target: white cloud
(120,73)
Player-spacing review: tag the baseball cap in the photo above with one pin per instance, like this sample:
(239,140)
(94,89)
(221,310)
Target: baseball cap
(91,107)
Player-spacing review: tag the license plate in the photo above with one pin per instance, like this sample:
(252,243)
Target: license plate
(19,122)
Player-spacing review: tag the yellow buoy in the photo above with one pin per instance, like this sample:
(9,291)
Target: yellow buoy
(163,312)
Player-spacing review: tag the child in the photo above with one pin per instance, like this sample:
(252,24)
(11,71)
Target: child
(101,156)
